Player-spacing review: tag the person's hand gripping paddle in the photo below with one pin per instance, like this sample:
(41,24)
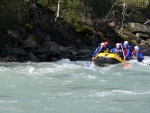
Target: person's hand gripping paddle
(126,65)
(88,65)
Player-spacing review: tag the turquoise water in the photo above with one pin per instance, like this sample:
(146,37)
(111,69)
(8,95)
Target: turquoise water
(70,87)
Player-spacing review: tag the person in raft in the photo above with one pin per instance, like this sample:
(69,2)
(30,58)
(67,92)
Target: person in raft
(100,49)
(136,54)
(127,50)
(117,50)
(107,45)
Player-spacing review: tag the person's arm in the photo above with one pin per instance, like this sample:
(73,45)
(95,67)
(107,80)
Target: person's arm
(120,51)
(96,50)
(128,54)
(133,52)
(134,55)
(112,50)
(108,47)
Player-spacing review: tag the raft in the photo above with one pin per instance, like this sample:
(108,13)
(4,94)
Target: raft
(106,59)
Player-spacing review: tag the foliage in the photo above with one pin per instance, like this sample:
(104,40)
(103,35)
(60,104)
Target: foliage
(134,11)
(135,3)
(75,12)
(98,8)
(8,13)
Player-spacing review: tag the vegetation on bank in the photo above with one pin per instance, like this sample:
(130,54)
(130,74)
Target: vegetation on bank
(81,14)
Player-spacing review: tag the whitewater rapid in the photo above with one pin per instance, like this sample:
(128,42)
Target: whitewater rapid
(71,87)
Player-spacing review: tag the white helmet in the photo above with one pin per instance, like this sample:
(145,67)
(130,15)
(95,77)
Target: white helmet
(118,44)
(102,44)
(135,47)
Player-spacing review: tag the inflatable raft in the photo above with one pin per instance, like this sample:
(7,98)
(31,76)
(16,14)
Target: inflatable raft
(106,59)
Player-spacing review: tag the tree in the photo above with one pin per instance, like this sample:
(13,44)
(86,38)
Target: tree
(58,9)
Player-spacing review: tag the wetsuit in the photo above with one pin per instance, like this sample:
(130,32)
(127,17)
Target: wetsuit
(138,55)
(127,52)
(117,50)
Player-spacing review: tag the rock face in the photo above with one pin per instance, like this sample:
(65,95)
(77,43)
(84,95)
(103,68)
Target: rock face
(41,54)
(44,45)
(136,34)
(142,33)
(137,27)
(146,52)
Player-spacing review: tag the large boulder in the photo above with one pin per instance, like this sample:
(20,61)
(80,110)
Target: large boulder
(5,50)
(84,54)
(42,34)
(32,57)
(136,34)
(125,34)
(15,35)
(31,45)
(146,52)
(141,31)
(16,51)
(9,59)
(137,27)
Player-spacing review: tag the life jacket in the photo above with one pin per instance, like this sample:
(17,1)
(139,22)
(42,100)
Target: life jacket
(106,51)
(125,51)
(138,55)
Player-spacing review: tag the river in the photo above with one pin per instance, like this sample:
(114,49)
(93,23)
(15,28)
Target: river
(71,87)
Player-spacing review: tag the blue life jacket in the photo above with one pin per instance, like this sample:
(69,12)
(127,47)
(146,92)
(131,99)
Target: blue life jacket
(128,52)
(117,50)
(140,56)
(107,46)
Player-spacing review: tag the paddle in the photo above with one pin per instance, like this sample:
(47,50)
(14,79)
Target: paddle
(88,65)
(125,63)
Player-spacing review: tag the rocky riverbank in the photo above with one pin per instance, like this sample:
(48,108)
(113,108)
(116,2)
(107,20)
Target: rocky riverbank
(41,45)
(38,37)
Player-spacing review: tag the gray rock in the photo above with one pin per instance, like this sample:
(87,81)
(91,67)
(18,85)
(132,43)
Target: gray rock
(43,57)
(9,59)
(16,51)
(16,36)
(31,45)
(137,27)
(146,52)
(142,36)
(33,58)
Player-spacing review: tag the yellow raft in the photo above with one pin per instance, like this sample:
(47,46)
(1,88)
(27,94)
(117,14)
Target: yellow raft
(105,59)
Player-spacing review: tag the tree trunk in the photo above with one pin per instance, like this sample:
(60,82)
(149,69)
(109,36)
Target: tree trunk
(58,10)
(123,15)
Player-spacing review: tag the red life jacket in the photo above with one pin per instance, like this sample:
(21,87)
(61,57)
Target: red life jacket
(125,51)
(134,51)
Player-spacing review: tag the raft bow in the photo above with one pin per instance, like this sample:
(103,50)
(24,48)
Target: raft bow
(105,59)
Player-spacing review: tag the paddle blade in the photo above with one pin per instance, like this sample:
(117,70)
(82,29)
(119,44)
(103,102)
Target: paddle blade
(126,65)
(87,65)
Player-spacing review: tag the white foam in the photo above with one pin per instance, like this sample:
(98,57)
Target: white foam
(117,92)
(122,92)
(2,68)
(6,101)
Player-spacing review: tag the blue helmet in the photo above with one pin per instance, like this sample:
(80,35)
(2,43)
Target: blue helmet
(125,43)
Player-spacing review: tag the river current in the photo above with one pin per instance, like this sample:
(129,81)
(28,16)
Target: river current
(71,87)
